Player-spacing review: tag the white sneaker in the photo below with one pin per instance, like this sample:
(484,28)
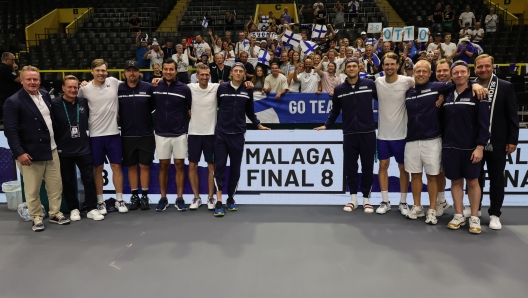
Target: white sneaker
(416,211)
(95,215)
(441,207)
(350,207)
(75,215)
(495,223)
(196,203)
(474,225)
(431,217)
(101,207)
(457,221)
(383,208)
(404,209)
(211,203)
(367,208)
(467,212)
(121,206)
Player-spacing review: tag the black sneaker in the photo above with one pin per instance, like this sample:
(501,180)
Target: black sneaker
(145,203)
(134,203)
(231,205)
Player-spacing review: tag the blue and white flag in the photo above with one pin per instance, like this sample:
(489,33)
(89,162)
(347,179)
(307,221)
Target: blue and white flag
(513,68)
(375,60)
(263,26)
(265,19)
(319,31)
(205,22)
(291,39)
(263,57)
(308,46)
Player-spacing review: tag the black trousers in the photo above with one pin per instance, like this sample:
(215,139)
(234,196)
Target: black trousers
(362,146)
(496,163)
(69,180)
(225,145)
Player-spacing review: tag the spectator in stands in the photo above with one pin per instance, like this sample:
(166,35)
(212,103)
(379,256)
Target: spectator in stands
(155,55)
(182,63)
(353,9)
(359,45)
(226,52)
(250,70)
(168,48)
(477,34)
(329,79)
(227,37)
(339,21)
(157,71)
(448,47)
(308,14)
(464,51)
(332,58)
(465,32)
(366,39)
(9,79)
(342,53)
(309,79)
(320,16)
(219,71)
(436,18)
(229,20)
(275,82)
(386,47)
(491,21)
(286,16)
(437,45)
(142,49)
(242,45)
(409,70)
(254,47)
(371,61)
(259,79)
(135,23)
(295,86)
(199,45)
(317,6)
(466,17)
(448,16)
(285,64)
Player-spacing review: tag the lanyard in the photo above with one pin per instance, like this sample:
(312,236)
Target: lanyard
(68,116)
(220,76)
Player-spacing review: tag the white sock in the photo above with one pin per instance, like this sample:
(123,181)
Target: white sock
(403,198)
(474,217)
(100,198)
(385,195)
(119,196)
(366,201)
(441,197)
(353,199)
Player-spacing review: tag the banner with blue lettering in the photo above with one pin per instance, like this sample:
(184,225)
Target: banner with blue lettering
(297,108)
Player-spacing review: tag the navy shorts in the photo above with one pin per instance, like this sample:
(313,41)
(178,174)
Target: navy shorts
(138,150)
(457,164)
(106,146)
(388,149)
(201,143)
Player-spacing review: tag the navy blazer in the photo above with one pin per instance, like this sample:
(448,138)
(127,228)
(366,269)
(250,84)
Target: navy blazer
(25,128)
(505,122)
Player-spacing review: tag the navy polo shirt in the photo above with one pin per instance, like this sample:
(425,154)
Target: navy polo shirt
(66,145)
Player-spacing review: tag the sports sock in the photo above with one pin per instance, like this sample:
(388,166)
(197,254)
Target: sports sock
(119,196)
(366,201)
(353,199)
(134,192)
(403,198)
(144,191)
(385,196)
(441,197)
(100,198)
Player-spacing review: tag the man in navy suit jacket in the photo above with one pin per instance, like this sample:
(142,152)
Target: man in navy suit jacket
(29,131)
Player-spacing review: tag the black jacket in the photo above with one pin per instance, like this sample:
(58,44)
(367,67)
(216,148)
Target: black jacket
(234,105)
(505,122)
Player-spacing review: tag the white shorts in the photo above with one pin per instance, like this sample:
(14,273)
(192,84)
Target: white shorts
(171,146)
(421,155)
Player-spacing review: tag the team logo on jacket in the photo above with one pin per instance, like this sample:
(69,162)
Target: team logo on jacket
(426,90)
(81,109)
(363,87)
(465,99)
(244,93)
(142,92)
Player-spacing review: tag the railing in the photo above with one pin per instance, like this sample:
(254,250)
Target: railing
(74,26)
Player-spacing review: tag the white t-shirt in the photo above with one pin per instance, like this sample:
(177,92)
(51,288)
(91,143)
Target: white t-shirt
(392,112)
(103,105)
(155,57)
(277,84)
(309,81)
(203,109)
(463,32)
(449,49)
(46,114)
(475,32)
(467,17)
(200,48)
(432,46)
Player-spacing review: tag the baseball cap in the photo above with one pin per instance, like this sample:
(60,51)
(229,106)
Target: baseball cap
(238,64)
(132,63)
(155,43)
(459,63)
(363,32)
(409,66)
(438,34)
(350,60)
(204,54)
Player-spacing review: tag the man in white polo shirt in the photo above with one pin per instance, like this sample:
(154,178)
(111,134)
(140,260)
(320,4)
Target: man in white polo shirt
(105,140)
(309,79)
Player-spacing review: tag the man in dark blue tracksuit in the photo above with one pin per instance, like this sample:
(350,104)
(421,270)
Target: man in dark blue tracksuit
(136,104)
(466,132)
(354,97)
(173,102)
(235,101)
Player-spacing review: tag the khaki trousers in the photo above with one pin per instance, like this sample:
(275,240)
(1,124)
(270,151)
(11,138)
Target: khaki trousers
(33,175)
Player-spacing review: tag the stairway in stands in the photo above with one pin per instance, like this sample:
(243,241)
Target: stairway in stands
(170,24)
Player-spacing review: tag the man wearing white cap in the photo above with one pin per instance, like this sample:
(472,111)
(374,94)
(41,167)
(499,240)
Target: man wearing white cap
(155,55)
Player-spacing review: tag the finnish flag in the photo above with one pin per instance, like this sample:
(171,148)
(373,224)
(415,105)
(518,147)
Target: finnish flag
(319,31)
(205,22)
(263,57)
(308,46)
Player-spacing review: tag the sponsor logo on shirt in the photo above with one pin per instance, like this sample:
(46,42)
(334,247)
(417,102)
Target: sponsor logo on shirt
(245,93)
(465,99)
(81,109)
(426,90)
(142,92)
(363,87)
